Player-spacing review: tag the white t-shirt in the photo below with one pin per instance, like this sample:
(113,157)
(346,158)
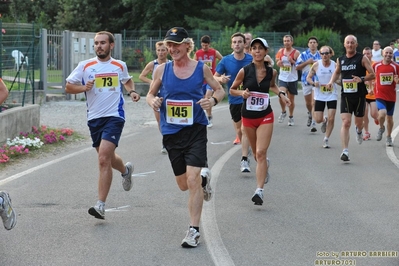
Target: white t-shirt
(105,99)
(377,55)
(324,74)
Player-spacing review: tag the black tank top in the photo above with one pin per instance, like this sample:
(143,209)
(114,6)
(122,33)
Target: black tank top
(251,83)
(353,66)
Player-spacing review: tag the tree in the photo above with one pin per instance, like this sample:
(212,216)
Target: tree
(345,16)
(80,15)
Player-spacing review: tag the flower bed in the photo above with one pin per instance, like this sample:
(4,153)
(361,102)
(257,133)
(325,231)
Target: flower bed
(28,141)
(17,119)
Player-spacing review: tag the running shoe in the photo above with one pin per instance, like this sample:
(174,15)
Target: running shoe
(366,136)
(291,121)
(206,174)
(267,173)
(127,182)
(313,127)
(237,141)
(210,122)
(325,144)
(380,132)
(359,136)
(163,150)
(97,211)
(245,166)
(309,120)
(345,156)
(7,213)
(257,198)
(389,142)
(324,125)
(282,117)
(192,238)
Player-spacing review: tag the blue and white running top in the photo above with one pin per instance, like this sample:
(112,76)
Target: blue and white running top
(105,99)
(304,56)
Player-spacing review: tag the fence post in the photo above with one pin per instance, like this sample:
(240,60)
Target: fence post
(43,65)
(67,58)
(118,46)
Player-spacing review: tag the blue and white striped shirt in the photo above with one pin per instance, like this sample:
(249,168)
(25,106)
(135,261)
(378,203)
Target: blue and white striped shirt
(302,58)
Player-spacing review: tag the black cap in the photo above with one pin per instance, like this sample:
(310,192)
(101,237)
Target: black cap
(176,35)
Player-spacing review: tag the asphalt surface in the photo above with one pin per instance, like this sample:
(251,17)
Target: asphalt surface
(317,209)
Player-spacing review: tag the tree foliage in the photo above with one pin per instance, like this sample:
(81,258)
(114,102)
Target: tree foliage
(344,16)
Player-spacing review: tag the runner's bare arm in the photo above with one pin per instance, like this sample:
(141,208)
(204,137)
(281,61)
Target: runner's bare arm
(152,99)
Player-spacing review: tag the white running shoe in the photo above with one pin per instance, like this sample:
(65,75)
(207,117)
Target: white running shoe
(205,173)
(380,132)
(7,213)
(345,156)
(324,125)
(309,122)
(325,144)
(359,136)
(313,127)
(257,198)
(282,117)
(97,211)
(245,166)
(291,121)
(163,150)
(192,238)
(389,142)
(210,124)
(127,181)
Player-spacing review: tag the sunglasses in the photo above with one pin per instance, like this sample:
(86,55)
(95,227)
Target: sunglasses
(325,53)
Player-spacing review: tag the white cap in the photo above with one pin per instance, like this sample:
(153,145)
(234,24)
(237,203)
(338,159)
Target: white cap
(262,41)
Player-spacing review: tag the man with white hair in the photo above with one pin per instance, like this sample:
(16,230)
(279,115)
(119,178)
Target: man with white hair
(183,120)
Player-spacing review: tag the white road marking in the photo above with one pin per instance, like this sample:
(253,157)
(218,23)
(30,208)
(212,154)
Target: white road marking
(143,174)
(221,143)
(390,152)
(116,209)
(214,242)
(33,169)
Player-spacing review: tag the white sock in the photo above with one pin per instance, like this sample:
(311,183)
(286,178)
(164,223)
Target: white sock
(126,171)
(100,203)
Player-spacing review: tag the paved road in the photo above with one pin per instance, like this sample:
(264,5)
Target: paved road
(315,205)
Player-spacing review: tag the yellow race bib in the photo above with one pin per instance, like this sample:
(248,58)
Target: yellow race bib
(106,82)
(349,86)
(179,112)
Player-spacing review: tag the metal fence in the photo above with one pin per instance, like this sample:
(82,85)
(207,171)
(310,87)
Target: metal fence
(139,46)
(37,59)
(20,51)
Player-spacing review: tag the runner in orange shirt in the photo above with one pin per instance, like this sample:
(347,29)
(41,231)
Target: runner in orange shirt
(371,107)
